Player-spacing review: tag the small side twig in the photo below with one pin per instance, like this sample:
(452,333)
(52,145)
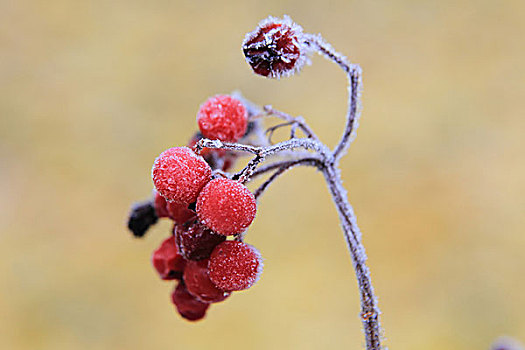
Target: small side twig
(281,167)
(299,121)
(272,129)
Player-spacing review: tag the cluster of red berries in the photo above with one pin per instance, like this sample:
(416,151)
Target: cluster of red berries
(205,209)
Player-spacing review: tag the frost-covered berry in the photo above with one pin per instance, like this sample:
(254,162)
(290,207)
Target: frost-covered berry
(179,174)
(226,206)
(140,219)
(222,117)
(167,260)
(187,305)
(179,213)
(199,284)
(195,241)
(235,266)
(160,205)
(276,48)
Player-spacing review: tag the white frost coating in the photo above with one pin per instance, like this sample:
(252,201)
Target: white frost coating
(260,263)
(289,26)
(355,86)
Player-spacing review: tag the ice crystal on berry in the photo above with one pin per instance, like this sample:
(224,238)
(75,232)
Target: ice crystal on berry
(226,206)
(276,48)
(235,266)
(179,174)
(222,117)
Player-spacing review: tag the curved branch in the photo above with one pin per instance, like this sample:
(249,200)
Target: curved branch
(353,72)
(282,167)
(369,309)
(311,161)
(307,144)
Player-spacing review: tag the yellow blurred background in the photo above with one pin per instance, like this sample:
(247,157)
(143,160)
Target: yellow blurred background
(92,91)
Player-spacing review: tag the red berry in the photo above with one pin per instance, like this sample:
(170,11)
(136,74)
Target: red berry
(235,266)
(195,241)
(226,206)
(159,203)
(167,260)
(222,117)
(276,48)
(187,305)
(179,213)
(199,285)
(179,174)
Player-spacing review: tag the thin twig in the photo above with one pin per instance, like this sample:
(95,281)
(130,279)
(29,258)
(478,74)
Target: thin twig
(286,117)
(272,129)
(312,161)
(244,175)
(353,72)
(369,309)
(282,167)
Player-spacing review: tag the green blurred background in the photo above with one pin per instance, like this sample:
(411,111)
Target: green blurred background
(92,91)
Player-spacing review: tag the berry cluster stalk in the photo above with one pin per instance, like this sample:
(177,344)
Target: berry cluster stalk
(326,161)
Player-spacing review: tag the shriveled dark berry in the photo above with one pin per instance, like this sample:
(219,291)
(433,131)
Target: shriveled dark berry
(141,217)
(195,241)
(275,48)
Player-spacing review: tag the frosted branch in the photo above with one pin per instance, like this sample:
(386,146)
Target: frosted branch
(353,72)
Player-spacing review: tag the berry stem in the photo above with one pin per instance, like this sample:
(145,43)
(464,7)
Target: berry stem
(299,121)
(244,175)
(307,160)
(369,309)
(353,72)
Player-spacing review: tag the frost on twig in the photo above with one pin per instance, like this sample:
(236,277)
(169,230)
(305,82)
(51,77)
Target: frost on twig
(353,72)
